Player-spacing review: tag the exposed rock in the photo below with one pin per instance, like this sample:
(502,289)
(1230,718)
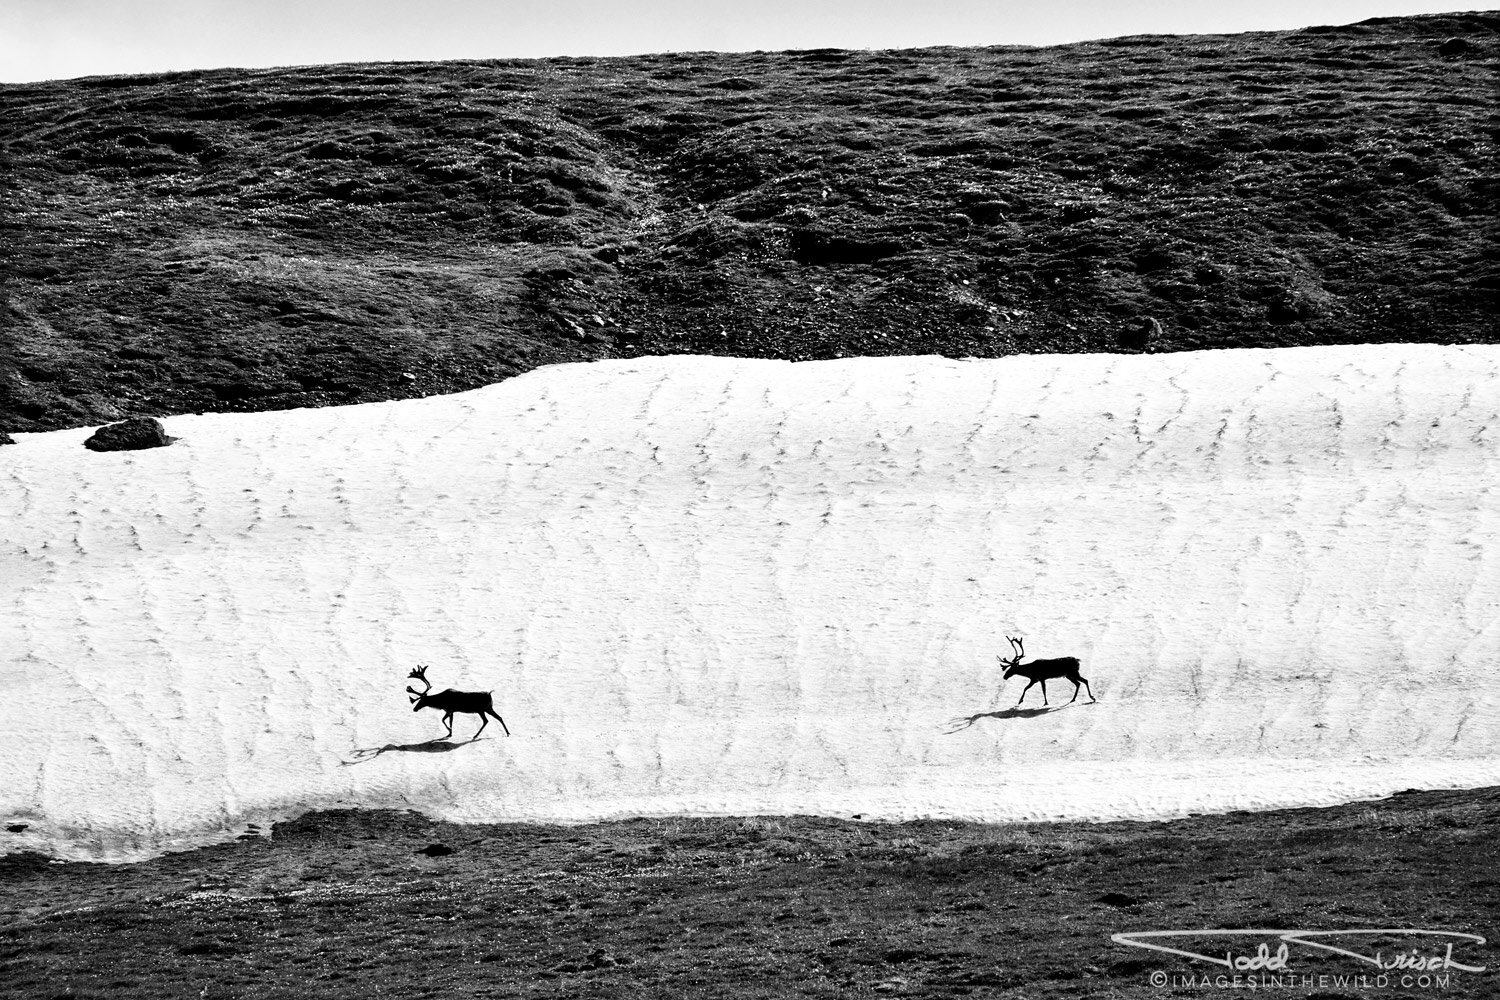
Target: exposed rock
(328,150)
(1452,47)
(1289,307)
(99,407)
(129,435)
(1118,899)
(985,213)
(816,246)
(6,438)
(1139,334)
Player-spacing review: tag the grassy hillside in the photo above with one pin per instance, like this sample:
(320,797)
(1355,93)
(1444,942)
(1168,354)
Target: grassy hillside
(240,240)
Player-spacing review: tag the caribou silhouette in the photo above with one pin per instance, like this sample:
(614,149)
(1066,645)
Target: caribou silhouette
(1043,671)
(479,703)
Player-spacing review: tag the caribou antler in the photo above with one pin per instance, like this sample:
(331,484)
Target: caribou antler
(420,674)
(1018,646)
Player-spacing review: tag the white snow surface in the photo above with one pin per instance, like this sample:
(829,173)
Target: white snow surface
(708,586)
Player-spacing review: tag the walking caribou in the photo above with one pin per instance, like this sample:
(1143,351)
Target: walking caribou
(1043,671)
(479,703)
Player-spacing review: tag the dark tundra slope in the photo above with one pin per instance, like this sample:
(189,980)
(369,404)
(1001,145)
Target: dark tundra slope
(239,240)
(356,905)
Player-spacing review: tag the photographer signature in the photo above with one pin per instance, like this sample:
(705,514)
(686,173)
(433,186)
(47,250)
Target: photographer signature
(1263,958)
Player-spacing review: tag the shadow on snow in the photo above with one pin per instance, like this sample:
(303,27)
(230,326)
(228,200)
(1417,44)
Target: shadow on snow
(439,745)
(960,724)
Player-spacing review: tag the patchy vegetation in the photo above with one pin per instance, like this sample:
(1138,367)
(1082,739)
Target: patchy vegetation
(243,240)
(365,904)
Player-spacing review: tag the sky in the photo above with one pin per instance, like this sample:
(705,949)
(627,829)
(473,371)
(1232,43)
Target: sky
(59,39)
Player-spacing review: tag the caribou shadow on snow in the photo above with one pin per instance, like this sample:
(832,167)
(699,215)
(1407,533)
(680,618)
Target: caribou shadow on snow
(439,745)
(1014,712)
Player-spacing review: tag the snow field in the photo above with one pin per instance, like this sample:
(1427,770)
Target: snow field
(710,586)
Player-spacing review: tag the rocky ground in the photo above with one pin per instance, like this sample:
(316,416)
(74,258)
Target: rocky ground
(390,904)
(244,240)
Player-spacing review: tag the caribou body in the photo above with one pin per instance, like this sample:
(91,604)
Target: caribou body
(1042,671)
(480,703)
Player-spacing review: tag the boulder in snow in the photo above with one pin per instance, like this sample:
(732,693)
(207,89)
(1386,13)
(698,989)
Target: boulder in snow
(129,435)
